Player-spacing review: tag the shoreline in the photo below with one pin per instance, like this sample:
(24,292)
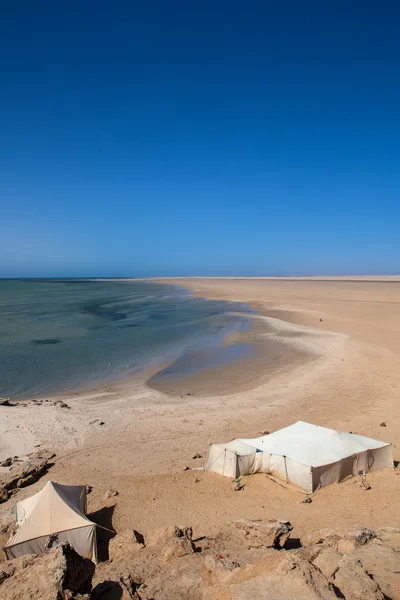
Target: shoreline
(302,350)
(269,354)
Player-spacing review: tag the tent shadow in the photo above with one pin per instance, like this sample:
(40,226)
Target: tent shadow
(103,517)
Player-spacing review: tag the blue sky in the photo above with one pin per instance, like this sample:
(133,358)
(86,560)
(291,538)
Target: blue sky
(220,138)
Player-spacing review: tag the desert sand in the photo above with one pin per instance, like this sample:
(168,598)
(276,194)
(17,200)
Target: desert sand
(350,333)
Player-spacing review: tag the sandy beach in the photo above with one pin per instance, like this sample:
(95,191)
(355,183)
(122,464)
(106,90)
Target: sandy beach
(340,368)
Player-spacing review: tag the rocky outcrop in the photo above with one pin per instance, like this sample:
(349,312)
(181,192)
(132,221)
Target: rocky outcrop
(247,559)
(25,473)
(58,574)
(353,563)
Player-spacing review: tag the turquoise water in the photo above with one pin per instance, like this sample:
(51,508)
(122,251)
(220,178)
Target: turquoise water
(61,335)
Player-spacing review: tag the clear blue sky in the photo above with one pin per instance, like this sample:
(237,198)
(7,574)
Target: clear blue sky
(222,138)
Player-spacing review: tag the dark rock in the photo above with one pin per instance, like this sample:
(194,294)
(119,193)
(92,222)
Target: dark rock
(197,455)
(60,404)
(307,500)
(5,402)
(7,462)
(4,495)
(382,424)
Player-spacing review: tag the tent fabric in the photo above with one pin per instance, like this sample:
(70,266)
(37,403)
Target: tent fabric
(54,515)
(306,455)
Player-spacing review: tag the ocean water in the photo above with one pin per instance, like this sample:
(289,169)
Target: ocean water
(59,335)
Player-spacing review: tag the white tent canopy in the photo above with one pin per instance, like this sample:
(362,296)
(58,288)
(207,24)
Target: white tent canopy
(306,455)
(54,515)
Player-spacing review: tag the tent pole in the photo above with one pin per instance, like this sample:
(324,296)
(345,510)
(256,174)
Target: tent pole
(287,478)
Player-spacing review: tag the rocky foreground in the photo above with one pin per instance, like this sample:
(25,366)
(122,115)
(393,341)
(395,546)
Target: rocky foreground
(248,559)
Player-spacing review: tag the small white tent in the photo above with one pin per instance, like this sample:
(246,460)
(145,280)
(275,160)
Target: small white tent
(54,515)
(306,455)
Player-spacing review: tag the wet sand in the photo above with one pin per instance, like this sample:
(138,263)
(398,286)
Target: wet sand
(245,360)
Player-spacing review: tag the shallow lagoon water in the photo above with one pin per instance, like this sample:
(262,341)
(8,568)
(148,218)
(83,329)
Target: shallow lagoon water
(58,335)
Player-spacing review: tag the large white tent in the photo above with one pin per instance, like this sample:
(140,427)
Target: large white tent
(306,455)
(54,515)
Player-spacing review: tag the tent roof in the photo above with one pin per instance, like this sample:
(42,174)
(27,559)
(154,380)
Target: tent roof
(54,509)
(238,446)
(312,445)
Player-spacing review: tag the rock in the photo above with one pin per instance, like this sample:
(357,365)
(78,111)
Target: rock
(277,578)
(26,473)
(381,561)
(353,581)
(4,495)
(58,574)
(217,569)
(267,534)
(96,422)
(171,541)
(60,404)
(197,455)
(364,485)
(124,544)
(307,500)
(89,488)
(110,494)
(186,469)
(7,462)
(389,535)
(264,432)
(327,561)
(382,424)
(5,402)
(237,487)
(344,539)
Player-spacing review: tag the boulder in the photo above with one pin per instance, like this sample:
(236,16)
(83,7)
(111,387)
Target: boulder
(344,539)
(267,534)
(126,543)
(171,541)
(58,574)
(25,473)
(7,462)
